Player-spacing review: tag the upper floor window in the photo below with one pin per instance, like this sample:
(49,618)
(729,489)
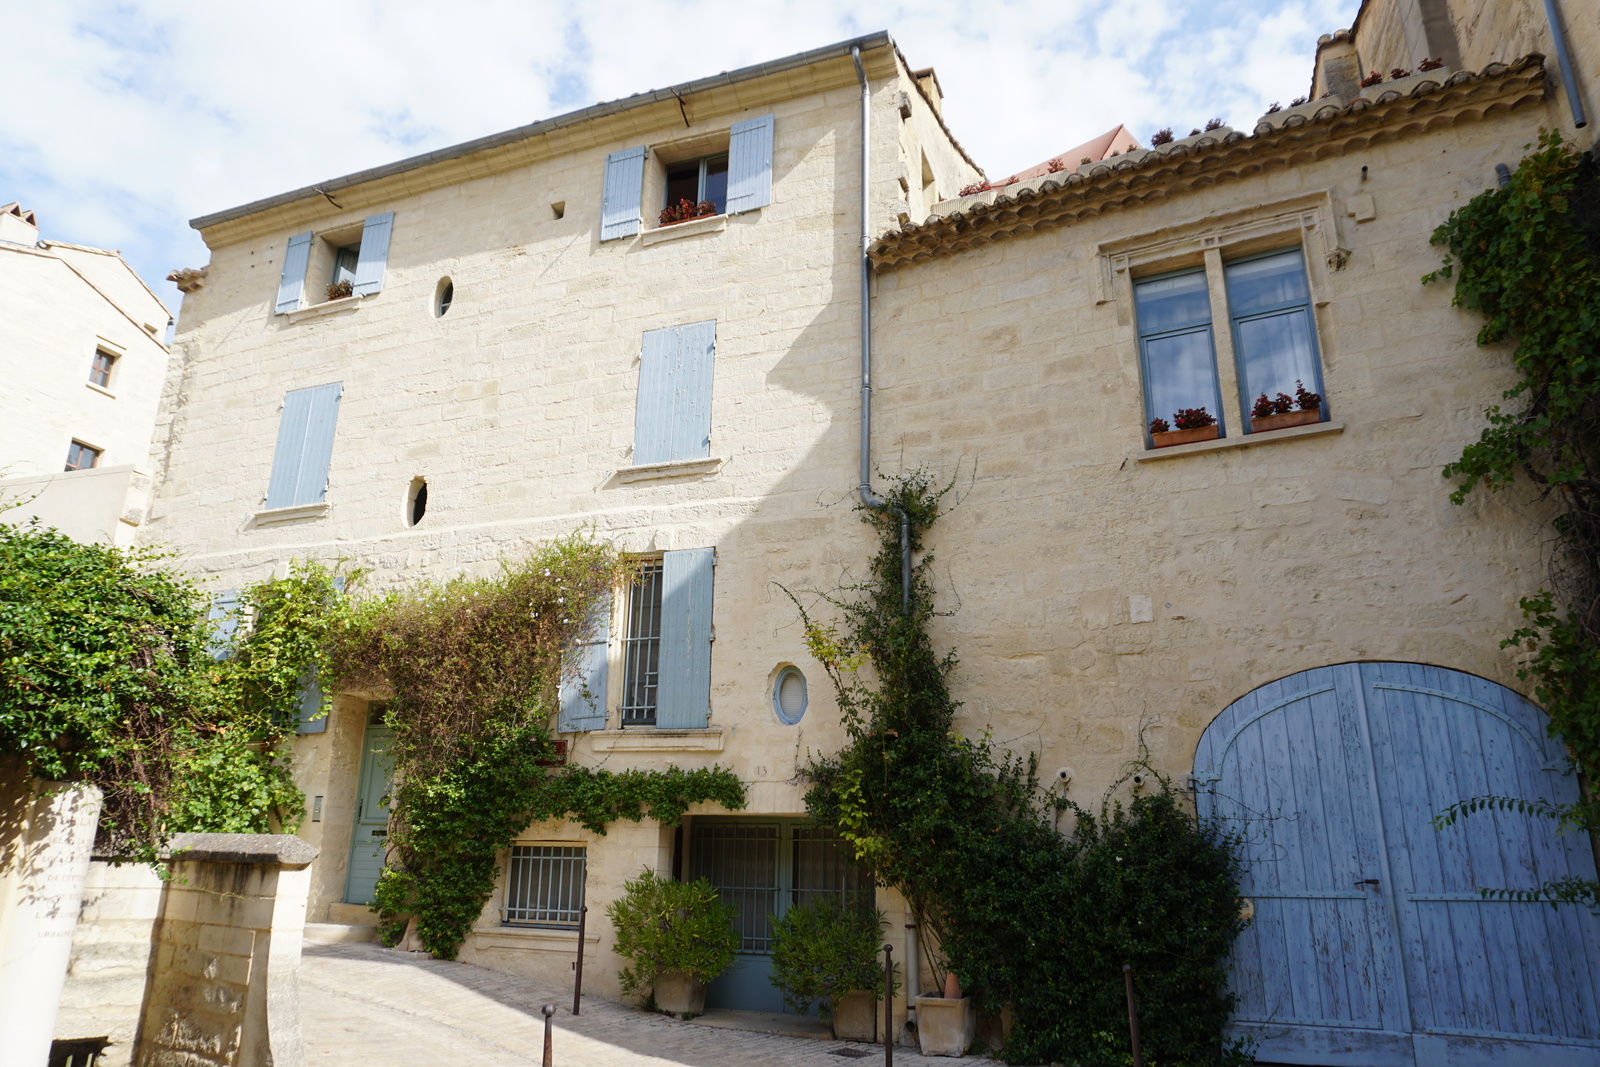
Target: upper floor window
(100,369)
(1274,336)
(1175,345)
(305,446)
(736,181)
(343,262)
(672,416)
(699,182)
(641,647)
(82,457)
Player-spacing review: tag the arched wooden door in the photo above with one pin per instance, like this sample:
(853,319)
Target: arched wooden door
(1370,944)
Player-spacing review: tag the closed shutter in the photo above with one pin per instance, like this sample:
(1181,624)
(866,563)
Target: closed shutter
(672,419)
(305,446)
(374,254)
(583,699)
(750,165)
(312,720)
(292,284)
(683,701)
(624,189)
(223,619)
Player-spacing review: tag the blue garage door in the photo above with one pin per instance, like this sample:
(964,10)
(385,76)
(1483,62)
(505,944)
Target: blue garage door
(1371,945)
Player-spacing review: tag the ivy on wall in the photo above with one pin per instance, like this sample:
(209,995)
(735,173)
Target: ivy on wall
(962,829)
(1524,256)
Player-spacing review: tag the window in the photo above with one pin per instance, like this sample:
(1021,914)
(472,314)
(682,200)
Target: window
(697,180)
(81,457)
(641,648)
(544,886)
(666,642)
(100,369)
(305,446)
(1175,345)
(789,698)
(1274,337)
(444,295)
(672,420)
(335,259)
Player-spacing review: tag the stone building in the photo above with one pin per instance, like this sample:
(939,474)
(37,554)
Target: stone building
(83,358)
(1294,610)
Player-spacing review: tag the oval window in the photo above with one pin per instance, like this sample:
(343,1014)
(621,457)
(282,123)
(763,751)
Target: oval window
(789,695)
(417,506)
(443,296)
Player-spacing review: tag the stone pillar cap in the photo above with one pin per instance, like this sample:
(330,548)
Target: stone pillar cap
(286,850)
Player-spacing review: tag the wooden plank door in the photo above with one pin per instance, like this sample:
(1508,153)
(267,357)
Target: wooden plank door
(1490,981)
(369,835)
(1317,972)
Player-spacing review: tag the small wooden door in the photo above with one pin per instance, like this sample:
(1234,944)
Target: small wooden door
(1370,944)
(369,836)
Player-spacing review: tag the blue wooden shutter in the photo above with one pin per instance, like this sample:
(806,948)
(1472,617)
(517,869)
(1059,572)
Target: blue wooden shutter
(623,192)
(312,720)
(683,701)
(305,446)
(750,165)
(672,419)
(223,618)
(292,284)
(374,253)
(583,699)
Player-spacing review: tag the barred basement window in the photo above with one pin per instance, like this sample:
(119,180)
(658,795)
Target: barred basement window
(641,648)
(544,886)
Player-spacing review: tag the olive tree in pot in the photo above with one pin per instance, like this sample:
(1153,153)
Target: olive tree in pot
(676,937)
(826,953)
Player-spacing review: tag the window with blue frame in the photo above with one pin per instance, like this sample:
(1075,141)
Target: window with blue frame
(1176,352)
(1274,335)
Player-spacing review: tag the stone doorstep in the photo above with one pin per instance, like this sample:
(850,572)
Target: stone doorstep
(340,933)
(765,1022)
(352,915)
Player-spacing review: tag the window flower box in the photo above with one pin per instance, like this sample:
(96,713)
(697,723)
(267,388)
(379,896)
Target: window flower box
(1167,438)
(1262,423)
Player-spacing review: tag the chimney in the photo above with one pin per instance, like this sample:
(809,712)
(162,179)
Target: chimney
(929,82)
(1338,69)
(18,226)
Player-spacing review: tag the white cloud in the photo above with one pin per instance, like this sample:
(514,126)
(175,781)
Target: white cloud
(128,119)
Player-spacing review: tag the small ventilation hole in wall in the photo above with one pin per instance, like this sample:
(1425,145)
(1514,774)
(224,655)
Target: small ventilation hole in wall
(417,501)
(559,209)
(443,296)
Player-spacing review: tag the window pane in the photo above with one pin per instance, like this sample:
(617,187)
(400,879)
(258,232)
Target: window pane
(1168,303)
(641,648)
(544,885)
(683,183)
(344,264)
(1275,351)
(1267,282)
(1180,373)
(717,183)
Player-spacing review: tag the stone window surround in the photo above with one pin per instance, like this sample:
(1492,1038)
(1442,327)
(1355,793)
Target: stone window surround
(1202,241)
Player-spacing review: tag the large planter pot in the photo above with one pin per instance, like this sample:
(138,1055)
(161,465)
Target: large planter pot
(1261,423)
(855,1016)
(1183,437)
(679,994)
(946,1027)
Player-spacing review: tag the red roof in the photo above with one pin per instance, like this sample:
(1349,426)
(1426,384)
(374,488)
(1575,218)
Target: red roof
(1118,140)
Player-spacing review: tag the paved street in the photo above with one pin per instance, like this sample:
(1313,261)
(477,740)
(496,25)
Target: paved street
(360,1003)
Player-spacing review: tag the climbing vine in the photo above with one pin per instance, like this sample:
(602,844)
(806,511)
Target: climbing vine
(472,667)
(962,829)
(1526,256)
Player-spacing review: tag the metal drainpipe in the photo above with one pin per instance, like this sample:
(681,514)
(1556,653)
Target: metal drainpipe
(1580,118)
(868,498)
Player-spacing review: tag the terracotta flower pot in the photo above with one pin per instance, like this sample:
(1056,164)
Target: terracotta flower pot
(1183,437)
(1260,423)
(679,994)
(855,1016)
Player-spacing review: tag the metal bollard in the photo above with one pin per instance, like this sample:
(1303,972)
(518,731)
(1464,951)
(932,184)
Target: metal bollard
(888,1006)
(1133,1014)
(548,1010)
(577,983)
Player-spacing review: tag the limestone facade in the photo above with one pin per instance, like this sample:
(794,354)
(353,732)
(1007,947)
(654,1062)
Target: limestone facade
(82,356)
(1110,596)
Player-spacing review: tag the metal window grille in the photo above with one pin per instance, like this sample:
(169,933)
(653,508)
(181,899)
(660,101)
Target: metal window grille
(742,862)
(544,886)
(824,867)
(641,648)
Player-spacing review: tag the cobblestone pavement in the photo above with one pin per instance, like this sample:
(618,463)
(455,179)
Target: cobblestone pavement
(363,1004)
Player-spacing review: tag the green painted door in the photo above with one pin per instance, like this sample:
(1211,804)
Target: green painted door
(371,830)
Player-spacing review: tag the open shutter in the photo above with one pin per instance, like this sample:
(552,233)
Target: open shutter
(305,446)
(312,721)
(374,254)
(624,190)
(583,699)
(750,165)
(292,285)
(672,419)
(224,621)
(683,701)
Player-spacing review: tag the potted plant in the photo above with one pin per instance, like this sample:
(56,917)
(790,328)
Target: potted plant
(947,1025)
(1283,410)
(826,953)
(676,937)
(686,211)
(1194,424)
(340,290)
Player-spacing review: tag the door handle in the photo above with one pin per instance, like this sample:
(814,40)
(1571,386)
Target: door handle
(1367,881)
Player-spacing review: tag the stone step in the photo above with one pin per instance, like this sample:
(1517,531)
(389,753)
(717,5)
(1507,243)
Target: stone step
(339,933)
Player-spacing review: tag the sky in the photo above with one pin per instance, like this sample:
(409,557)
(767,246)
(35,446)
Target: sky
(125,120)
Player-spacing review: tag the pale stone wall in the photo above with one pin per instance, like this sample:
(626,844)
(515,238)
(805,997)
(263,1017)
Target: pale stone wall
(105,503)
(112,948)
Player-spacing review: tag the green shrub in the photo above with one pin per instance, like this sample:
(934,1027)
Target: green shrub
(823,950)
(664,926)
